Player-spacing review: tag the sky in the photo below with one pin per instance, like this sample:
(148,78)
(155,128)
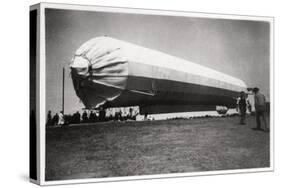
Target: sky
(238,48)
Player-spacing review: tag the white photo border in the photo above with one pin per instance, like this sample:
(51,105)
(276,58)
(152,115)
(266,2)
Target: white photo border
(42,79)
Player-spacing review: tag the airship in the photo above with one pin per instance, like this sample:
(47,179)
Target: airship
(107,72)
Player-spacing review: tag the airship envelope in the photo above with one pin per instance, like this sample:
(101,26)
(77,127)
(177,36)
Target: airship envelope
(107,72)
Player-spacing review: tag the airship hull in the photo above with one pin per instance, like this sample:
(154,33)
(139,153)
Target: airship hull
(111,73)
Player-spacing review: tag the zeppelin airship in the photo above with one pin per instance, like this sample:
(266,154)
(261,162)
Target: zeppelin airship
(108,72)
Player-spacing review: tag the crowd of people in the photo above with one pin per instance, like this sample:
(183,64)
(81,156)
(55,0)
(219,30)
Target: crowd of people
(91,116)
(130,113)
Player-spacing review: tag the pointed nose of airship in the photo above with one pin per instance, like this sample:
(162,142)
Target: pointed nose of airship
(80,67)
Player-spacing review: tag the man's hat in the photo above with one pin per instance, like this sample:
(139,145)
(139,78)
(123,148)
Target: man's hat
(256,89)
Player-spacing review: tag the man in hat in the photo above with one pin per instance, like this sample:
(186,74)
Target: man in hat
(260,106)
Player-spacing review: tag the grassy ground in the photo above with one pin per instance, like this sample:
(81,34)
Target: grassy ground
(142,148)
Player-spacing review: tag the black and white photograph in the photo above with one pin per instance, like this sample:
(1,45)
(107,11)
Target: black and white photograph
(135,93)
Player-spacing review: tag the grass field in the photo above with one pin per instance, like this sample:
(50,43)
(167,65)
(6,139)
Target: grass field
(116,149)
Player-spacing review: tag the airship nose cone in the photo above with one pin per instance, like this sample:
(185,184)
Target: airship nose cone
(80,67)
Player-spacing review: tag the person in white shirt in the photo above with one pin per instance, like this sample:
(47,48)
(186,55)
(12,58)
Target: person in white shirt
(260,106)
(61,118)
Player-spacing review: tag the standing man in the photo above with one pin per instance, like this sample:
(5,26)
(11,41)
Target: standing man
(55,119)
(49,118)
(85,117)
(260,106)
(92,117)
(242,104)
(61,118)
(77,117)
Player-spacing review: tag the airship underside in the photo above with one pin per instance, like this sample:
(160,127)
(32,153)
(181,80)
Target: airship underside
(107,72)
